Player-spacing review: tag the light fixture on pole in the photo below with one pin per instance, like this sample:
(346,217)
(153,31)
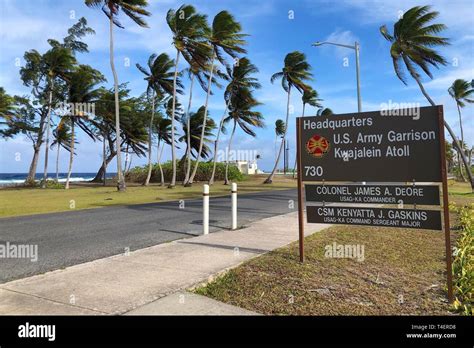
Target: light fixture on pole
(356,48)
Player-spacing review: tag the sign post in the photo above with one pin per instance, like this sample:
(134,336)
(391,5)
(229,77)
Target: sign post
(300,191)
(387,147)
(447,229)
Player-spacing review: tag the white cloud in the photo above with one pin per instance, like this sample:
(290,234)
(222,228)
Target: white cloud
(344,37)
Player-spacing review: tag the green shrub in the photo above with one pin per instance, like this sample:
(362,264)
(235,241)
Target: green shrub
(51,184)
(138,174)
(463,263)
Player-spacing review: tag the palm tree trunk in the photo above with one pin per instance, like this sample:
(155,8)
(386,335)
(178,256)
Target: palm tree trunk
(173,108)
(203,130)
(121,182)
(127,170)
(226,180)
(450,131)
(125,164)
(269,180)
(162,178)
(216,144)
(104,164)
(71,156)
(294,167)
(150,130)
(461,172)
(48,126)
(462,143)
(57,162)
(188,135)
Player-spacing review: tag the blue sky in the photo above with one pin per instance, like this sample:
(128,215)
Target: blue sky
(276,27)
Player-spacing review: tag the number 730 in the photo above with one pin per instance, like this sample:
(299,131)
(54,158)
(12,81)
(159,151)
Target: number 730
(313,170)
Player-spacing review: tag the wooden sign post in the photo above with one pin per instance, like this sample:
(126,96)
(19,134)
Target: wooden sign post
(372,146)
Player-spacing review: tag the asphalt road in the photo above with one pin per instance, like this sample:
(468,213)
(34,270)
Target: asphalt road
(69,238)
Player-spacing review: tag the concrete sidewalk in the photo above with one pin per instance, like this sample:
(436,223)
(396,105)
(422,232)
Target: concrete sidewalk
(132,283)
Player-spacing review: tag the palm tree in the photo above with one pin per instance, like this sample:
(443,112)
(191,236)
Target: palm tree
(162,128)
(296,71)
(195,131)
(461,91)
(225,37)
(82,91)
(190,30)
(57,63)
(279,128)
(159,79)
(195,71)
(310,97)
(412,43)
(62,138)
(324,112)
(239,77)
(241,113)
(134,9)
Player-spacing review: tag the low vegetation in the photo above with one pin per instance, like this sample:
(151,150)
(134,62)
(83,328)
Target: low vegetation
(403,272)
(203,173)
(463,264)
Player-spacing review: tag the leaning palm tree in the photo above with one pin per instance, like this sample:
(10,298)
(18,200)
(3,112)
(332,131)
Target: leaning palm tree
(58,62)
(62,138)
(190,30)
(295,73)
(134,9)
(162,128)
(240,76)
(195,71)
(159,77)
(279,128)
(413,39)
(241,113)
(462,92)
(311,98)
(82,90)
(324,112)
(194,133)
(225,37)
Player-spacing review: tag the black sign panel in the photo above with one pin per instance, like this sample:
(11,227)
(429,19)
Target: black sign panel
(379,194)
(388,146)
(404,218)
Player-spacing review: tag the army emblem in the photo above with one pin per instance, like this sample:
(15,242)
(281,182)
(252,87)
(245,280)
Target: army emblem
(317,146)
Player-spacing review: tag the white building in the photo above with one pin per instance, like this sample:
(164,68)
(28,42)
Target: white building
(246,167)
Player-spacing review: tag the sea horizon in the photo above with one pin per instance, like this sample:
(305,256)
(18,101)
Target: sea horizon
(19,178)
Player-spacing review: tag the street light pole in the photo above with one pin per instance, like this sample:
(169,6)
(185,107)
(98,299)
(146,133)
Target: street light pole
(356,48)
(359,100)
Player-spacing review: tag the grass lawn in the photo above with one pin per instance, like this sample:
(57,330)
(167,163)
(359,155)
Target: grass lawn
(403,272)
(26,201)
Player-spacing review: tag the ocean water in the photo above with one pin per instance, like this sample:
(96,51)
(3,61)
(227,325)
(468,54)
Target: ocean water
(18,178)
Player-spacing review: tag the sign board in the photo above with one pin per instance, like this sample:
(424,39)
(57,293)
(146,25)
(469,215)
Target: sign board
(372,146)
(385,147)
(376,194)
(403,218)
